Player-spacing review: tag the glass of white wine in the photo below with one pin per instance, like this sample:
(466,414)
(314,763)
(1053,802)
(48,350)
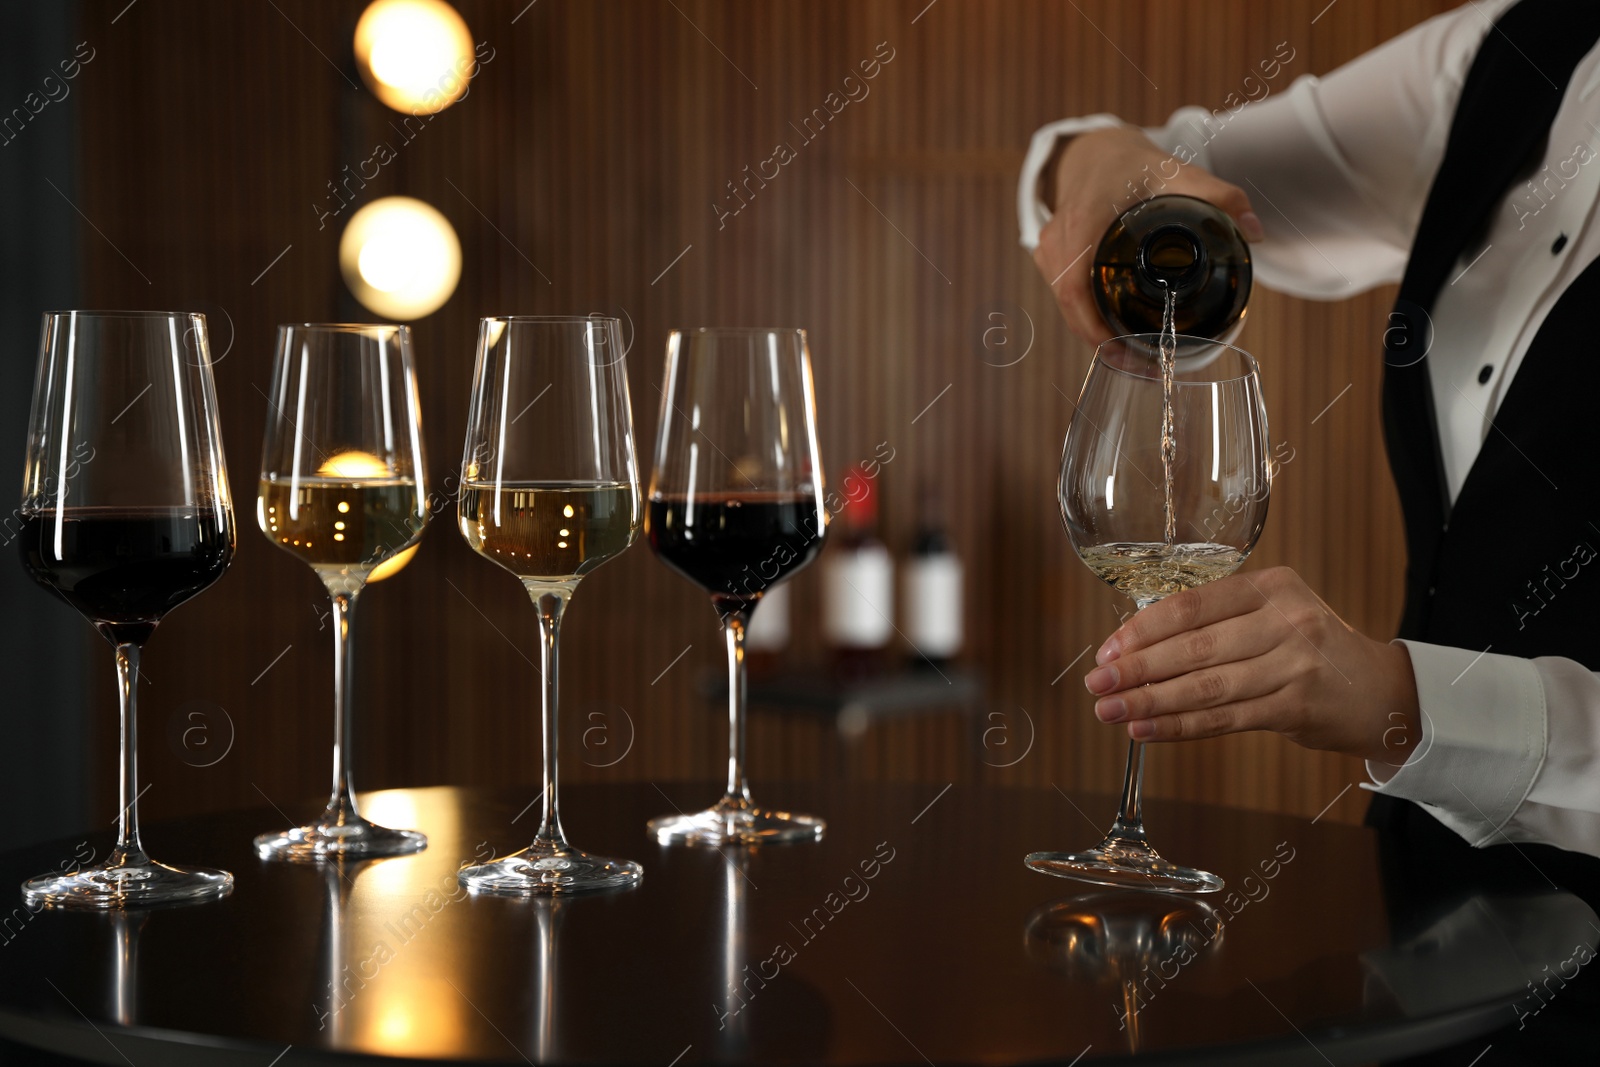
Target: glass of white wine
(1164,485)
(342,490)
(549,491)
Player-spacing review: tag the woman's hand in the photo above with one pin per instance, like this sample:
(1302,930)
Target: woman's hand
(1089,187)
(1257,651)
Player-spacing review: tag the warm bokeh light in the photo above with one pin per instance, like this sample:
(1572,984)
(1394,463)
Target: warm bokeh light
(416,55)
(400,257)
(356,465)
(393,565)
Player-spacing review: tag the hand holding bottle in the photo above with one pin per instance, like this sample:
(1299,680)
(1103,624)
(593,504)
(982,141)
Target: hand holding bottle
(1087,186)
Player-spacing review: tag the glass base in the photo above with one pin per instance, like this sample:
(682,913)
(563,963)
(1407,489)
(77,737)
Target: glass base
(1125,864)
(730,822)
(132,885)
(351,839)
(548,869)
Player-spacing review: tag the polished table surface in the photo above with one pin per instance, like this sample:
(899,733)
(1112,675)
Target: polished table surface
(912,934)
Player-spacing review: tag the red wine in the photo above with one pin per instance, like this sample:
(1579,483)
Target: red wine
(124,568)
(735,545)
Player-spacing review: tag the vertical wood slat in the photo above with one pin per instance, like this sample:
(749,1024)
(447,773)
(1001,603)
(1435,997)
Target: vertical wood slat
(595,143)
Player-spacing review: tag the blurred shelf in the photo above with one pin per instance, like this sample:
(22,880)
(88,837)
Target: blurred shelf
(856,705)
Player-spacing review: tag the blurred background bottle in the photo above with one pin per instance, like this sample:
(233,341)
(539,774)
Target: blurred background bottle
(768,634)
(933,617)
(857,584)
(1178,244)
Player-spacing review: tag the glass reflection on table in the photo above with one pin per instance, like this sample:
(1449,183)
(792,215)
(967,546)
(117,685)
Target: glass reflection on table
(390,970)
(1125,937)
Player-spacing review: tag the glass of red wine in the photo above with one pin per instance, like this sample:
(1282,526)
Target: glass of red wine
(342,490)
(125,515)
(549,492)
(735,506)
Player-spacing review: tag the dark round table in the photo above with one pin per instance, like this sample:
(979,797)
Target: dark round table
(911,935)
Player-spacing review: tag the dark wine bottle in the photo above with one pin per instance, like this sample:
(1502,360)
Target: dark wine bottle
(1175,244)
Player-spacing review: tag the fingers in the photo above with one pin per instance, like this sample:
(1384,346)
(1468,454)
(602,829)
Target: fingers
(1064,262)
(1229,198)
(1232,640)
(1208,687)
(1188,610)
(1235,718)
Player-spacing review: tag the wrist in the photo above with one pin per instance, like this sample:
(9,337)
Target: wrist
(1400,731)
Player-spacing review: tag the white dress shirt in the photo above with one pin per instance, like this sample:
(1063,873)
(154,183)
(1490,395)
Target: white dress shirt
(1339,168)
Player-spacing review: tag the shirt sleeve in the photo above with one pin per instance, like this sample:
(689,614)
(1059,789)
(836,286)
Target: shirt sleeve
(1509,748)
(1338,168)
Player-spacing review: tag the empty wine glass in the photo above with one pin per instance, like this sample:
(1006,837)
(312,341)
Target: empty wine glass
(549,491)
(342,491)
(736,507)
(1157,500)
(125,515)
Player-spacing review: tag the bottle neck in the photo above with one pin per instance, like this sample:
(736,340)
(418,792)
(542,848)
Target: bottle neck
(1172,259)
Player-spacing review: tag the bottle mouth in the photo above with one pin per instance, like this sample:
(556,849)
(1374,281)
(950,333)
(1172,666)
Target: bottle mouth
(1172,257)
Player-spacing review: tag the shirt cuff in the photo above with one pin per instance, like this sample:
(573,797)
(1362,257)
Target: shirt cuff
(1483,740)
(1032,211)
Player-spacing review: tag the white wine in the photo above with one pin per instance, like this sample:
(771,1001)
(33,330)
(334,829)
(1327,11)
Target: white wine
(1169,434)
(548,531)
(340,526)
(1148,571)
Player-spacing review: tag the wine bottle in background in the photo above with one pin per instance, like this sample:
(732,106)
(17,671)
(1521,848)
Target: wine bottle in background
(1178,245)
(858,585)
(767,636)
(932,588)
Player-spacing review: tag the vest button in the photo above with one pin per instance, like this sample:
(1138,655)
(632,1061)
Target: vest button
(1485,373)
(1561,242)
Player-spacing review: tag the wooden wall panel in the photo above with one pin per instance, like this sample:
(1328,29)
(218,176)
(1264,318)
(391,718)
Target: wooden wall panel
(585,160)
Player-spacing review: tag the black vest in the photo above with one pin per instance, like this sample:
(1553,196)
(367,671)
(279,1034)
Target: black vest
(1514,565)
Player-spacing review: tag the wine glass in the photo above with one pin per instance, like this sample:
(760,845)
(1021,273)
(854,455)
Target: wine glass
(549,491)
(342,490)
(1155,505)
(125,515)
(736,507)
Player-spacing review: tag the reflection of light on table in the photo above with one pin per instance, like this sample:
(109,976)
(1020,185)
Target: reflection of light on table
(395,1025)
(436,813)
(391,807)
(409,1015)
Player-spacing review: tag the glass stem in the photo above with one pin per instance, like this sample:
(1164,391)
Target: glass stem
(341,809)
(1130,815)
(1129,826)
(130,850)
(551,602)
(733,627)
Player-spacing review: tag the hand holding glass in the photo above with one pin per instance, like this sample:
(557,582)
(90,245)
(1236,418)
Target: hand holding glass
(1114,496)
